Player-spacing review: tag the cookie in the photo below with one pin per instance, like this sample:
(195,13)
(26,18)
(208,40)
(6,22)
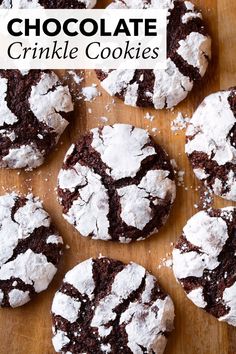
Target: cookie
(34,106)
(204,262)
(47,4)
(30,249)
(211,141)
(188,54)
(106,306)
(116,184)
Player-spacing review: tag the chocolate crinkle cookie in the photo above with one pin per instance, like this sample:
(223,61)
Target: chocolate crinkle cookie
(204,262)
(34,106)
(116,184)
(106,306)
(211,142)
(47,4)
(188,54)
(30,249)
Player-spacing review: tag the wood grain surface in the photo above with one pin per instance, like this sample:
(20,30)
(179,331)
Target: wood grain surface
(27,330)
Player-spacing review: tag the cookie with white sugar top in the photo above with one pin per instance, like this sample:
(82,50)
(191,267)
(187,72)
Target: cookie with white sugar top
(106,306)
(188,55)
(211,143)
(204,262)
(34,108)
(116,184)
(47,4)
(30,249)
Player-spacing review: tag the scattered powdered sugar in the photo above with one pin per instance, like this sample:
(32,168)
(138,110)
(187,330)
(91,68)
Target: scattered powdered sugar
(76,77)
(104,119)
(180,178)
(179,123)
(90,92)
(166,262)
(149,117)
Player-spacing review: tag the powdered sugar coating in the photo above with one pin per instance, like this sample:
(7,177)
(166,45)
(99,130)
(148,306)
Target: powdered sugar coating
(170,86)
(6,116)
(24,156)
(117,153)
(209,235)
(89,211)
(33,107)
(229,297)
(32,4)
(191,13)
(204,262)
(209,134)
(60,340)
(122,148)
(188,54)
(18,297)
(46,103)
(194,49)
(197,297)
(64,306)
(145,319)
(135,205)
(23,226)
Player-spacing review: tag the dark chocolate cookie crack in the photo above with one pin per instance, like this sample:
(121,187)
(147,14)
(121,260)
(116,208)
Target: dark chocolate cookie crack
(211,278)
(85,327)
(34,109)
(188,53)
(84,154)
(30,249)
(211,142)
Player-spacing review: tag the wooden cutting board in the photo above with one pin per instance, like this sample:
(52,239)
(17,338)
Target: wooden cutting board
(27,330)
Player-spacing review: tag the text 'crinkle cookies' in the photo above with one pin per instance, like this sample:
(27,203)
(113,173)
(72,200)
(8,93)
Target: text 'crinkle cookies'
(34,106)
(47,4)
(188,54)
(30,249)
(106,306)
(204,262)
(211,143)
(116,183)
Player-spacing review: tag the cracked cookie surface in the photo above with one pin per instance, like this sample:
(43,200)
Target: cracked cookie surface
(116,184)
(204,262)
(30,249)
(106,306)
(211,143)
(188,54)
(33,110)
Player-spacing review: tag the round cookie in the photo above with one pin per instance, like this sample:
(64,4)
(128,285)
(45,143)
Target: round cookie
(106,306)
(47,4)
(34,106)
(116,184)
(204,262)
(211,141)
(188,54)
(30,249)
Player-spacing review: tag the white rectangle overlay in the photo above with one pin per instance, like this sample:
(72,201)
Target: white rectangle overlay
(83,39)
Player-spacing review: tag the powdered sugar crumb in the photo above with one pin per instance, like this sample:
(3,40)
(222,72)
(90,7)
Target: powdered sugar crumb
(179,123)
(149,117)
(77,78)
(90,92)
